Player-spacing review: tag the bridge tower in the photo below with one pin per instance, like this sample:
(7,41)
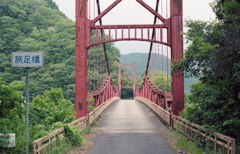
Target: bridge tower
(83,42)
(81,59)
(177,53)
(128,70)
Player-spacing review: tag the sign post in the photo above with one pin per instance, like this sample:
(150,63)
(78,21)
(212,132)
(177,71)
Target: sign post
(27,59)
(27,108)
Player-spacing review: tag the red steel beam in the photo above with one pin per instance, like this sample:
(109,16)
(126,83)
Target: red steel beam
(148,26)
(145,27)
(81,57)
(105,11)
(151,10)
(128,39)
(177,52)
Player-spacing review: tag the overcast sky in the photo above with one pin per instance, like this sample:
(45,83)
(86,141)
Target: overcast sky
(130,12)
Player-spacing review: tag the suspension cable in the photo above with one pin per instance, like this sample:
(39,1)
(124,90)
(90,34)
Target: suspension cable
(158,67)
(89,9)
(162,70)
(99,64)
(167,69)
(94,69)
(162,51)
(153,34)
(102,33)
(167,8)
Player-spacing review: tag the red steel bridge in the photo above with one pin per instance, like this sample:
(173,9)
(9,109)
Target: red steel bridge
(164,36)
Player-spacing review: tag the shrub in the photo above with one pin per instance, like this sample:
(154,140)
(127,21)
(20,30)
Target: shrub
(73,135)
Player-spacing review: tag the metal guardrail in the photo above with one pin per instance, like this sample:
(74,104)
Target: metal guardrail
(214,141)
(81,123)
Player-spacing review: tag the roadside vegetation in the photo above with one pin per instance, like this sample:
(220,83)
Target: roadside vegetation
(184,145)
(213,55)
(39,26)
(48,112)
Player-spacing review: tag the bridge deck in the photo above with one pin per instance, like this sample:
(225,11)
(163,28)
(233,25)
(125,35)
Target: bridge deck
(130,128)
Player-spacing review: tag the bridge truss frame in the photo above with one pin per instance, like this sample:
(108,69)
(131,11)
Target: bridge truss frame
(85,26)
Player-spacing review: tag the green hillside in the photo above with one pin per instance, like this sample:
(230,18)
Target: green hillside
(38,26)
(140,59)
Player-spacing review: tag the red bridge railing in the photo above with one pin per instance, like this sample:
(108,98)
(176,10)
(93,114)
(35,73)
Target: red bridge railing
(105,92)
(151,92)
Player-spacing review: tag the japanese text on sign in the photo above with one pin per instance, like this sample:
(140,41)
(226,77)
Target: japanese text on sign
(27,59)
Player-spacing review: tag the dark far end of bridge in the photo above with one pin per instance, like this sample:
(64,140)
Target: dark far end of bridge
(85,27)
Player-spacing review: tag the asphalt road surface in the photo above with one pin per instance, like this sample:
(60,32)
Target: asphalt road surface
(129,127)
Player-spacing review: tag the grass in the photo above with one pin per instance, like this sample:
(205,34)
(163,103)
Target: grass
(63,145)
(189,146)
(86,141)
(87,133)
(58,147)
(95,123)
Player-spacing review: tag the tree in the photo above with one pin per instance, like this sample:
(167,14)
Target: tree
(50,108)
(38,26)
(12,113)
(161,80)
(213,55)
(51,4)
(11,106)
(97,64)
(127,93)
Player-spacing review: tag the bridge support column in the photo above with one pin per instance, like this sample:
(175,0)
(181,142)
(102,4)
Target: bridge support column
(177,52)
(81,76)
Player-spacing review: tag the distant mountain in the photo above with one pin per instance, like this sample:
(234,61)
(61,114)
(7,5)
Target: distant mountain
(140,59)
